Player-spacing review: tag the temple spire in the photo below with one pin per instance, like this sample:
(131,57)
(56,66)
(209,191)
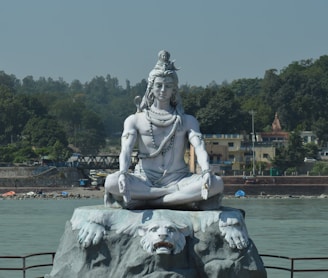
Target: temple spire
(276,127)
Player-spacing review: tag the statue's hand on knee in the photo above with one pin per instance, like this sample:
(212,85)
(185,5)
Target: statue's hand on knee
(123,188)
(206,185)
(233,229)
(91,234)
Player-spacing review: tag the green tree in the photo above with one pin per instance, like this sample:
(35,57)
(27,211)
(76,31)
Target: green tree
(291,155)
(90,138)
(311,150)
(319,168)
(13,116)
(7,153)
(191,99)
(221,113)
(44,132)
(59,152)
(320,127)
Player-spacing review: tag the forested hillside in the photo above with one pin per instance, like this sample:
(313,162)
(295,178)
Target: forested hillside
(41,117)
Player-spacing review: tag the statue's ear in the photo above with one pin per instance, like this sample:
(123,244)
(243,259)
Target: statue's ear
(186,231)
(142,231)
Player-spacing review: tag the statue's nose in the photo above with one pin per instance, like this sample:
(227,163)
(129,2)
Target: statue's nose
(162,233)
(162,236)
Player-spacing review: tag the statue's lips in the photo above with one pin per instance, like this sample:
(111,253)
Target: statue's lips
(163,244)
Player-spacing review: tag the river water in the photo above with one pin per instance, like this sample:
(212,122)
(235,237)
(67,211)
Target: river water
(286,227)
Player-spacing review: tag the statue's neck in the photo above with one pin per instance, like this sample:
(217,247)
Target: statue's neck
(161,108)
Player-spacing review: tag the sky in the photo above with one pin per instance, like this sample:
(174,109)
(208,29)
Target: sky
(210,40)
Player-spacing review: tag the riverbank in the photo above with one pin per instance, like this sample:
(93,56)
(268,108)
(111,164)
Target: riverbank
(277,185)
(53,192)
(251,191)
(263,187)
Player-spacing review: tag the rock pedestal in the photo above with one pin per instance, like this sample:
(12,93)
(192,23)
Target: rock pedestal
(195,246)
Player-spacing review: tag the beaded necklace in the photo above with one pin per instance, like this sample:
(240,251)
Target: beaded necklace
(161,120)
(164,149)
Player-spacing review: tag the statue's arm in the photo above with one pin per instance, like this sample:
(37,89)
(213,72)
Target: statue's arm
(128,140)
(196,140)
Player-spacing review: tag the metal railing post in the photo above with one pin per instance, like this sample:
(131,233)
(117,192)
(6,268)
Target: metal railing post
(292,268)
(24,265)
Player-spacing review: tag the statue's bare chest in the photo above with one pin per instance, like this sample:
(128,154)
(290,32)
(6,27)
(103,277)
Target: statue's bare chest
(153,134)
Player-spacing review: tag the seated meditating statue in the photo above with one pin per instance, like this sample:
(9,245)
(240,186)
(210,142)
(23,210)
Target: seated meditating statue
(162,130)
(167,198)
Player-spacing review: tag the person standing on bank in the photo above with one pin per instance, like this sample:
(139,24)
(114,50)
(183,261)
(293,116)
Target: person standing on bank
(162,130)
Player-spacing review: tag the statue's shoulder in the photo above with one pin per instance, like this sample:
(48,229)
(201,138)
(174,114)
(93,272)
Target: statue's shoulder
(140,115)
(135,119)
(136,116)
(130,121)
(130,118)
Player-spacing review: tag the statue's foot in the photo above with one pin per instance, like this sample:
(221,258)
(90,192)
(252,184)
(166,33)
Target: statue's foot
(135,204)
(115,205)
(111,202)
(213,203)
(117,202)
(193,206)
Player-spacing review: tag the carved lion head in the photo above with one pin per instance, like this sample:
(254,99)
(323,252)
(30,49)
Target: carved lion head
(163,237)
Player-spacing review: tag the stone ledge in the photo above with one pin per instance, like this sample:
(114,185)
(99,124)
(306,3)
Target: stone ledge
(120,253)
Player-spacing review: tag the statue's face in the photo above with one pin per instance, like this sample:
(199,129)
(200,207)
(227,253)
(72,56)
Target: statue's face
(164,56)
(163,88)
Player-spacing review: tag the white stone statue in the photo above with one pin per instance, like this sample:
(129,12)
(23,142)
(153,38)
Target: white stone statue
(162,179)
(162,131)
(173,224)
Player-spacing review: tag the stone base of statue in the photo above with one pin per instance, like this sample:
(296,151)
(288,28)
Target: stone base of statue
(104,242)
